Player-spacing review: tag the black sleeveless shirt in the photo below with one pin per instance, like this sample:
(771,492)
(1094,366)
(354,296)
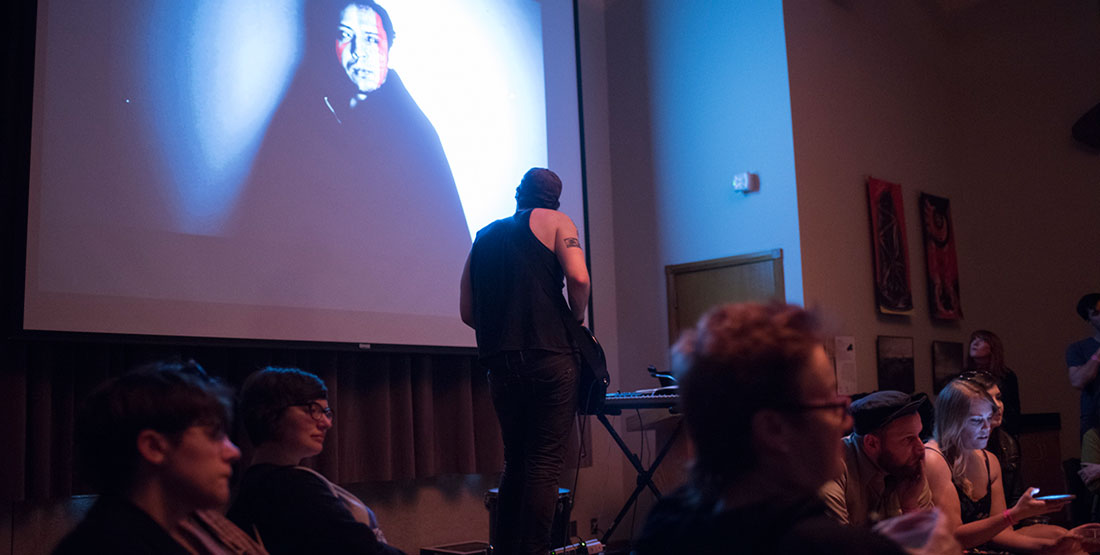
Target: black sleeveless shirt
(517,290)
(977,509)
(973,509)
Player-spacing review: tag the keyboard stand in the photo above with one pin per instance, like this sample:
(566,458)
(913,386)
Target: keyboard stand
(645,475)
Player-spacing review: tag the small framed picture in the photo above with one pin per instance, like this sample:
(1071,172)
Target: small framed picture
(895,363)
(947,362)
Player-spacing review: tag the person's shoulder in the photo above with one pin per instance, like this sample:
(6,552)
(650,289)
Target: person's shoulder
(1083,345)
(1091,440)
(299,474)
(677,509)
(820,535)
(282,479)
(676,524)
(994,463)
(853,447)
(555,216)
(116,526)
(937,460)
(800,525)
(85,541)
(494,225)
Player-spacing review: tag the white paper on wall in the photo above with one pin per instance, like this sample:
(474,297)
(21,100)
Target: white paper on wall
(845,356)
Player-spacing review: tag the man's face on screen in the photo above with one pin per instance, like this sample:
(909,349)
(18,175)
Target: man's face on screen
(363,47)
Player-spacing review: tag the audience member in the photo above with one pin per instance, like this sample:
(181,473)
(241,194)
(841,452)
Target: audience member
(987,354)
(1001,443)
(759,398)
(1090,461)
(966,480)
(1083,359)
(154,443)
(294,509)
(883,469)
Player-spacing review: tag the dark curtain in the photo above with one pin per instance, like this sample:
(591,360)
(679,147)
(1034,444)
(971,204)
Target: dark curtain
(399,416)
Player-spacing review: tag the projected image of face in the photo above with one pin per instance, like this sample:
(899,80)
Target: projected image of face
(363,47)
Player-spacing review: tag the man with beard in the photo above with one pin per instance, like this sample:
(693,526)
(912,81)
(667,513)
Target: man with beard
(884,462)
(759,400)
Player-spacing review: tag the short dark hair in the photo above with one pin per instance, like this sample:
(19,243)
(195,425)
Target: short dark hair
(167,397)
(1087,303)
(387,25)
(268,392)
(739,359)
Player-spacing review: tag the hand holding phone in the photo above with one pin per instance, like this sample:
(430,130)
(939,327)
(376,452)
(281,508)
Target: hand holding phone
(1058,497)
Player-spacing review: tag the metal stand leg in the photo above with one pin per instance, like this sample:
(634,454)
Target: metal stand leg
(645,475)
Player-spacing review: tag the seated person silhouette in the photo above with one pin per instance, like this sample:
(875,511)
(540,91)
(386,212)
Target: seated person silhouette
(966,482)
(760,401)
(154,443)
(293,508)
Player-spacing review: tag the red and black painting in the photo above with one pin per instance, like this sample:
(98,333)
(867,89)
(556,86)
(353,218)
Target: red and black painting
(939,252)
(893,290)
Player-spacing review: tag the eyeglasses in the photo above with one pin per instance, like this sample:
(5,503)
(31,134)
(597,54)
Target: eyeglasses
(317,411)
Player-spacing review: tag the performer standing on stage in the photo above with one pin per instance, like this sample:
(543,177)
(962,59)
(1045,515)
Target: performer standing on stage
(511,296)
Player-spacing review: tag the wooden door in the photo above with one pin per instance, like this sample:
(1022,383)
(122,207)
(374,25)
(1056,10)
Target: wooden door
(695,287)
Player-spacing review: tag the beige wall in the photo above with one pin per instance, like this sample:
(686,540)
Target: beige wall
(975,105)
(697,91)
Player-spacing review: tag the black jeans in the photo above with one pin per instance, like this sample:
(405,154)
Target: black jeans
(535,401)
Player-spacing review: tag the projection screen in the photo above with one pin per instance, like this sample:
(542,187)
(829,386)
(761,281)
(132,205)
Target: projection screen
(306,170)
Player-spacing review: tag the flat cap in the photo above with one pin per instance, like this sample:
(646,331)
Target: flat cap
(880,408)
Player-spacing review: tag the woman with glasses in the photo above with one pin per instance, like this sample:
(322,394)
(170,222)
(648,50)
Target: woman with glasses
(965,480)
(292,508)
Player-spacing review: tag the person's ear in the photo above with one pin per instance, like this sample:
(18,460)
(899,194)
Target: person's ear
(872,444)
(153,446)
(769,431)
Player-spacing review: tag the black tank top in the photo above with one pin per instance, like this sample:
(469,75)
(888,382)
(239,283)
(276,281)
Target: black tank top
(970,509)
(517,290)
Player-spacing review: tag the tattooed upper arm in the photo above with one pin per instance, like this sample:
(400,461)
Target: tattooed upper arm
(572,243)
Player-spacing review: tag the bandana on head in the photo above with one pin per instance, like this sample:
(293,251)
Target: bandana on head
(539,188)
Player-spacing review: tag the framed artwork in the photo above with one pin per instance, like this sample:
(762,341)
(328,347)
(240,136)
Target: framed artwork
(939,252)
(895,363)
(893,290)
(947,362)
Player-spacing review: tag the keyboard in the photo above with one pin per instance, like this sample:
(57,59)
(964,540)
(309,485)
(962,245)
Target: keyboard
(663,398)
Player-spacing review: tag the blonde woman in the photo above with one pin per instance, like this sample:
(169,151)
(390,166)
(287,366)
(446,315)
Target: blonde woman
(966,481)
